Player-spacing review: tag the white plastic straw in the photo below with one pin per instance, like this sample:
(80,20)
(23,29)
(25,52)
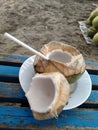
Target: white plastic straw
(24,45)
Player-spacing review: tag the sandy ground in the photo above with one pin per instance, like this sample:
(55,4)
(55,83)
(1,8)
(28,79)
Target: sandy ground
(44,21)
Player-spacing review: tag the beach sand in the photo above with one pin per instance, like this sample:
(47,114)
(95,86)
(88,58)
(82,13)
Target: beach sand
(44,21)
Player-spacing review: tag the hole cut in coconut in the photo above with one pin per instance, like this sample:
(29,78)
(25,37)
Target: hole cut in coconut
(60,56)
(41,94)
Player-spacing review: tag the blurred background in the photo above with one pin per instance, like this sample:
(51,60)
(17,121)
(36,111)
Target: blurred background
(43,21)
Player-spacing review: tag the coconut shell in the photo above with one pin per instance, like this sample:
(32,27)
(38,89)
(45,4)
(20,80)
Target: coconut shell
(93,14)
(70,69)
(60,100)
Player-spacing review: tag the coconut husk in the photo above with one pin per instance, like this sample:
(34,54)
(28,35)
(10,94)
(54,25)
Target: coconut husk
(72,69)
(62,93)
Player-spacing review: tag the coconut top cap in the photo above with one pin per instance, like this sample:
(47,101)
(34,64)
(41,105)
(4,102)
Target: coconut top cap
(64,58)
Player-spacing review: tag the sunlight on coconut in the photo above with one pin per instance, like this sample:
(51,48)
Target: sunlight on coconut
(42,93)
(60,56)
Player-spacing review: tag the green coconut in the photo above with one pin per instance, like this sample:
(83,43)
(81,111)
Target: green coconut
(72,79)
(93,14)
(88,22)
(95,39)
(64,58)
(91,31)
(95,22)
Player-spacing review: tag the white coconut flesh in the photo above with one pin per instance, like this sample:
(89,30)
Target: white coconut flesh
(47,95)
(60,56)
(41,94)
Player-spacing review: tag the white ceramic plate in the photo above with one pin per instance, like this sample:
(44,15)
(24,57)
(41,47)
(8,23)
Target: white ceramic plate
(82,91)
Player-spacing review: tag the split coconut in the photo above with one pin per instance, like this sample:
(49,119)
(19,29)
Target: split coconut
(48,94)
(64,58)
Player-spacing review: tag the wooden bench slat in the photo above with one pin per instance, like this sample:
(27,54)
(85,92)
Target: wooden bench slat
(92,63)
(22,58)
(9,70)
(6,59)
(15,111)
(13,58)
(14,91)
(92,67)
(79,118)
(94,79)
(21,117)
(14,71)
(93,98)
(11,90)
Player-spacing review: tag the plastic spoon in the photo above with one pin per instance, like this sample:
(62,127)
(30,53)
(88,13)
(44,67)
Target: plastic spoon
(25,45)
